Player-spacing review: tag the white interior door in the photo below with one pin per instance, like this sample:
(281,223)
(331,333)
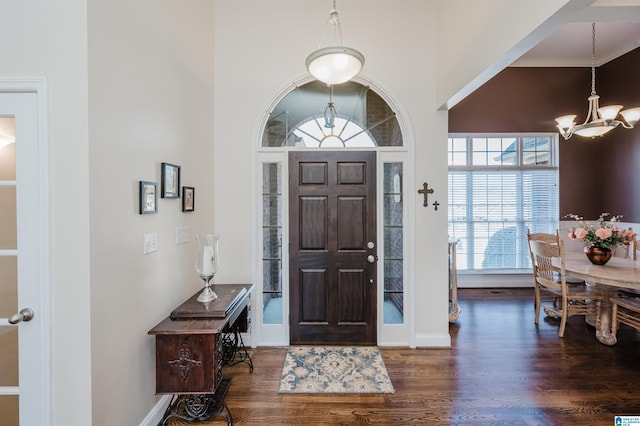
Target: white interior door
(24,240)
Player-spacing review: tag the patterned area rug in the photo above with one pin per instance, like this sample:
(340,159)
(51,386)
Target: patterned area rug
(313,369)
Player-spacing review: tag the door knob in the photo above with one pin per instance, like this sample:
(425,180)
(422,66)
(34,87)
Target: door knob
(371,258)
(25,315)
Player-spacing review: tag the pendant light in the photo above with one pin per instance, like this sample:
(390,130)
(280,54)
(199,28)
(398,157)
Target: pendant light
(600,120)
(337,63)
(330,112)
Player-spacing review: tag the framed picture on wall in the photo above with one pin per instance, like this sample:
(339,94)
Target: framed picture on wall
(188,194)
(170,175)
(148,197)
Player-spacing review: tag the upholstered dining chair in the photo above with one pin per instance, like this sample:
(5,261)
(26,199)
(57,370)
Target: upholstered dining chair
(572,300)
(625,309)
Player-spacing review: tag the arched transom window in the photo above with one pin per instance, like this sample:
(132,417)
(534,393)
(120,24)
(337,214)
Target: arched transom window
(348,115)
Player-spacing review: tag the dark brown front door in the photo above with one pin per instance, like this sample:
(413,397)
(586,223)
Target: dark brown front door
(332,232)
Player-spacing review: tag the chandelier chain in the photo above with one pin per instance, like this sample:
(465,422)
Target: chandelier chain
(593,58)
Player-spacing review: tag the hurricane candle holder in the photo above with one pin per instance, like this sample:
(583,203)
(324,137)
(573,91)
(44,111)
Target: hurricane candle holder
(207,264)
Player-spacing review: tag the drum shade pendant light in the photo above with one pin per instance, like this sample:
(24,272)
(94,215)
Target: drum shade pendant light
(334,64)
(600,120)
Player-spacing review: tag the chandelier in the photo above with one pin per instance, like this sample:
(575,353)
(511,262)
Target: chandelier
(334,64)
(600,120)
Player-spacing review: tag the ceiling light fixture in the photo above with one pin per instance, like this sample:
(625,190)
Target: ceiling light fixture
(330,112)
(6,140)
(600,120)
(334,64)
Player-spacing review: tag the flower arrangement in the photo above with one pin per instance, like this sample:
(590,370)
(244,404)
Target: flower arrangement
(605,235)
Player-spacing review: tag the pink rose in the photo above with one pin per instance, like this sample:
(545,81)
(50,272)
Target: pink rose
(604,233)
(580,233)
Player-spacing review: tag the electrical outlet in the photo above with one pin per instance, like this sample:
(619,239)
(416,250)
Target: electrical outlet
(182,235)
(150,243)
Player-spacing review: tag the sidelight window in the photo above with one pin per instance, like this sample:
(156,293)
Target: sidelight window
(393,244)
(272,243)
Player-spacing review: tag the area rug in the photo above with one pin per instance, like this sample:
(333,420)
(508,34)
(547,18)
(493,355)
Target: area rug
(331,370)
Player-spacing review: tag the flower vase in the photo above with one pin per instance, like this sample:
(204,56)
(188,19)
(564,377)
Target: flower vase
(207,264)
(597,255)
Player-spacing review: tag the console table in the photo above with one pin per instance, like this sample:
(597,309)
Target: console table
(192,346)
(454,309)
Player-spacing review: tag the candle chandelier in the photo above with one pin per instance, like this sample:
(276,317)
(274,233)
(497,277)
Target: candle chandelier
(600,120)
(337,63)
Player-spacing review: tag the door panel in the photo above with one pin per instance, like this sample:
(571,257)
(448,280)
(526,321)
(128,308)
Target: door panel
(313,235)
(23,393)
(351,213)
(313,295)
(332,222)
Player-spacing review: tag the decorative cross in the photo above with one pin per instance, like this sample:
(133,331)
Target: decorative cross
(425,191)
(435,205)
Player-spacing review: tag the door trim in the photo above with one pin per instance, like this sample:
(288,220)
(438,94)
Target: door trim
(39,87)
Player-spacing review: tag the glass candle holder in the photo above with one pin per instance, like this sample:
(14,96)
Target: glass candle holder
(207,264)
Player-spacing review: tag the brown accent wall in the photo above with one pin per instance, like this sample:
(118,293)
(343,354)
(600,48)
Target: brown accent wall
(596,175)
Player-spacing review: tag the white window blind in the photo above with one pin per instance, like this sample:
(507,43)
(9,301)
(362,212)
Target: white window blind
(499,187)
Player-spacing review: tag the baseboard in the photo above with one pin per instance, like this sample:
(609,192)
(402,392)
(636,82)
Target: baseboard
(433,340)
(157,412)
(494,280)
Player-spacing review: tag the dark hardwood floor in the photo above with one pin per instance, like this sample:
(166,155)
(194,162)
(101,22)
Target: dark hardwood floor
(502,369)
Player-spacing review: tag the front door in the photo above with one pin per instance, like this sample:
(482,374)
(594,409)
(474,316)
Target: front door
(23,360)
(332,249)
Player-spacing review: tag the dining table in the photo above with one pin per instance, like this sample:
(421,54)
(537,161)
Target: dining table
(605,280)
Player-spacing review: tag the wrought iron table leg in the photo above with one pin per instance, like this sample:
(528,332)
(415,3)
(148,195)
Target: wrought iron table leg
(234,350)
(201,407)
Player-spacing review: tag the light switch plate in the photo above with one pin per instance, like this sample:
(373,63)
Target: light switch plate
(150,242)
(182,235)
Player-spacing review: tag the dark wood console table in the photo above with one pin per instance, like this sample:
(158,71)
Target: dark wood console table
(192,346)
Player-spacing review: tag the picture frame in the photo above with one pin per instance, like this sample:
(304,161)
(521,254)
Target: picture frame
(170,175)
(148,197)
(188,198)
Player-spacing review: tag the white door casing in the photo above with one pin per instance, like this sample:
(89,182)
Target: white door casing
(25,100)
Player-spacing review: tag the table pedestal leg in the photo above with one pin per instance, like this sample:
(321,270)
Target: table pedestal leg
(603,328)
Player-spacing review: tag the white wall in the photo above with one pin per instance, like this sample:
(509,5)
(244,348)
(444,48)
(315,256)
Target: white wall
(48,39)
(150,101)
(253,66)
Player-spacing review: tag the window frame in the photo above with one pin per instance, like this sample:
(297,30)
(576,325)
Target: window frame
(521,221)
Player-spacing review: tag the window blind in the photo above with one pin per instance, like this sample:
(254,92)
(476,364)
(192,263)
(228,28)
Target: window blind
(492,207)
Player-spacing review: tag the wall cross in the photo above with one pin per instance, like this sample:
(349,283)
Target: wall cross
(425,191)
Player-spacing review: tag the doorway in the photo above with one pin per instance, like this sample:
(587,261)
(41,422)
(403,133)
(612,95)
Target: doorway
(364,121)
(332,247)
(24,355)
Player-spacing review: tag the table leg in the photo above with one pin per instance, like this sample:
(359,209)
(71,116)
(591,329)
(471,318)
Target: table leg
(200,407)
(603,328)
(234,350)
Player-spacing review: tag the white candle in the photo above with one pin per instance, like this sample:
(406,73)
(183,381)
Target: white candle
(207,261)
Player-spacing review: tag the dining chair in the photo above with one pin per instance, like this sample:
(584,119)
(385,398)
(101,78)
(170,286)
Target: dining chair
(627,251)
(572,300)
(553,239)
(625,309)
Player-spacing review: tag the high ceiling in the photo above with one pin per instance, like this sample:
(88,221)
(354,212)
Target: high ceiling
(617,33)
(570,45)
